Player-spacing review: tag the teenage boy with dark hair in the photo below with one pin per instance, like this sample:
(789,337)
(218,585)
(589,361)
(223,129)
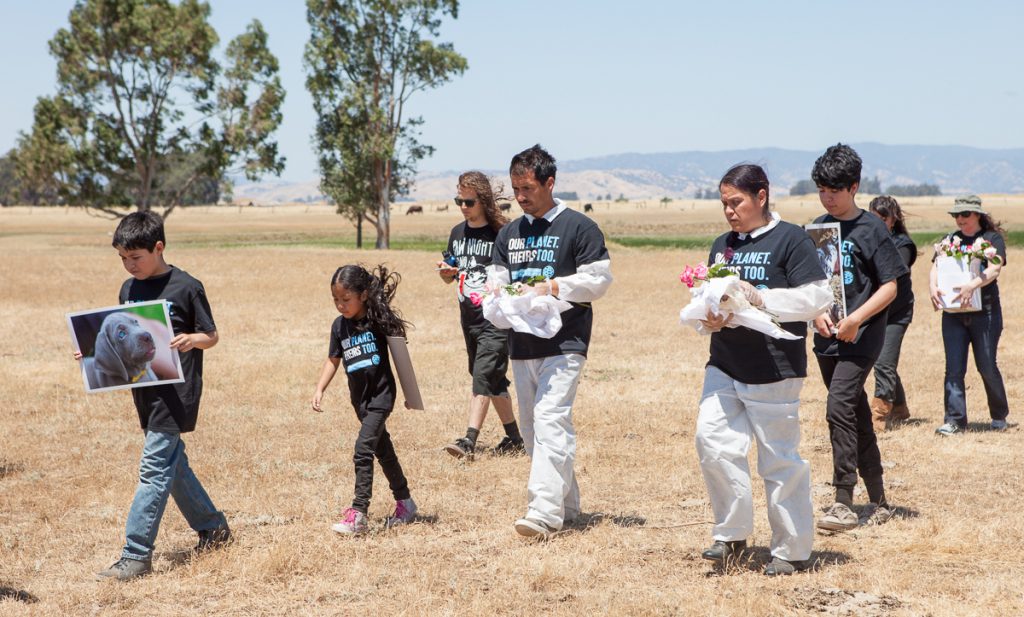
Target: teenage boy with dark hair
(567,249)
(847,350)
(165,411)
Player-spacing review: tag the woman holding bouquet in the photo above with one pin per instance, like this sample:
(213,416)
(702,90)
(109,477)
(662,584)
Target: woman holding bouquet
(977,329)
(752,381)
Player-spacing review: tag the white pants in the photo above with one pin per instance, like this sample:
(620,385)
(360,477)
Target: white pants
(729,412)
(546,388)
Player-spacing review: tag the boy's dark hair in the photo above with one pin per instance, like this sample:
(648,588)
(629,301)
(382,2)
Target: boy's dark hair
(886,206)
(139,230)
(535,159)
(750,179)
(380,286)
(839,168)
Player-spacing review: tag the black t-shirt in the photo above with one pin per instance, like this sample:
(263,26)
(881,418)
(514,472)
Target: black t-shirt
(901,310)
(173,407)
(870,260)
(364,354)
(472,247)
(551,249)
(782,257)
(989,293)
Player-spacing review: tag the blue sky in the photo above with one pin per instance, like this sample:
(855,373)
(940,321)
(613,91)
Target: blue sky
(588,78)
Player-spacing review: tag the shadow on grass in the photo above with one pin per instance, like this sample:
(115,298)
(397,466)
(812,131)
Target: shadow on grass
(588,520)
(9,469)
(19,595)
(986,427)
(754,559)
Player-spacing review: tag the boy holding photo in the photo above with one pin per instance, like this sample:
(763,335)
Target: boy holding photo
(165,411)
(847,350)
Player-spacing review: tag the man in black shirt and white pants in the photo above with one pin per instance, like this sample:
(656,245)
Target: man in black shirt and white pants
(567,249)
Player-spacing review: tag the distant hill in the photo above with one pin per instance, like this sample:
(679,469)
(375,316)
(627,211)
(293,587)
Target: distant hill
(956,169)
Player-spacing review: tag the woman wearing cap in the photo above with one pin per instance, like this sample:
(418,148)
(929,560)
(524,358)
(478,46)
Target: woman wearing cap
(978,329)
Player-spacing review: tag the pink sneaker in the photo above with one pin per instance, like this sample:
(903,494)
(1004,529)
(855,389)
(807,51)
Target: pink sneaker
(405,512)
(353,522)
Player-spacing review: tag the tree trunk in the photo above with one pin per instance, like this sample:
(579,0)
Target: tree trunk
(359,231)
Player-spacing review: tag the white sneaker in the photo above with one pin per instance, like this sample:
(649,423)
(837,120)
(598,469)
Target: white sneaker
(948,429)
(529,528)
(405,512)
(352,523)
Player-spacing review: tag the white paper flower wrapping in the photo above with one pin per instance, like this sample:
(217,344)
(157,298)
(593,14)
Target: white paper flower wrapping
(527,313)
(723,296)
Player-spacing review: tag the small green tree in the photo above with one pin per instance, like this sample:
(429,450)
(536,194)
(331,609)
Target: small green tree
(804,187)
(666,200)
(365,59)
(140,95)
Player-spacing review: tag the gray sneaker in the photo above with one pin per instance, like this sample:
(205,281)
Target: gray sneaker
(877,515)
(838,518)
(125,569)
(999,425)
(948,429)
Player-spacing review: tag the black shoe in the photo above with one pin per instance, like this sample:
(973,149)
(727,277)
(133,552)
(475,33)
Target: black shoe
(461,448)
(722,551)
(781,567)
(509,446)
(212,539)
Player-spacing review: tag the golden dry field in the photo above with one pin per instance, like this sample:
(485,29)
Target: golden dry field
(282,474)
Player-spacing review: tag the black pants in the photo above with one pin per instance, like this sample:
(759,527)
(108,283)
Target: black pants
(888,385)
(374,440)
(854,446)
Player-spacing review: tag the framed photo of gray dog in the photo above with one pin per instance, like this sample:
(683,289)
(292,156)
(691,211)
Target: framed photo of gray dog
(126,346)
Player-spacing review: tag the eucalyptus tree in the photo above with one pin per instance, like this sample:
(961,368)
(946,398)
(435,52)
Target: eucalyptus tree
(145,115)
(365,60)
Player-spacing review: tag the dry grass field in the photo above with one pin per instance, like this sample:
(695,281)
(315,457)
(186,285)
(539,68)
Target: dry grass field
(282,473)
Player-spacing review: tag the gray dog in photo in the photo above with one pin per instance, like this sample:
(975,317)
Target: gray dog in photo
(123,353)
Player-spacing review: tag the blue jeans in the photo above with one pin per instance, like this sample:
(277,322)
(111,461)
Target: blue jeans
(163,473)
(980,330)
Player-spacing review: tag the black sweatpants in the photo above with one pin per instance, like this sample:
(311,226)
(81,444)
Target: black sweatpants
(374,441)
(854,446)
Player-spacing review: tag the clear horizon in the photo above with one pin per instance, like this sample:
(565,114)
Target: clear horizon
(590,79)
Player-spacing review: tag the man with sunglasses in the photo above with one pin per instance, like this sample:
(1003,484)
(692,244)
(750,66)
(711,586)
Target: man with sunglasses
(469,251)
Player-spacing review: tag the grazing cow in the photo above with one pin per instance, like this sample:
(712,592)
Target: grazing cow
(443,208)
(414,210)
(588,207)
(505,207)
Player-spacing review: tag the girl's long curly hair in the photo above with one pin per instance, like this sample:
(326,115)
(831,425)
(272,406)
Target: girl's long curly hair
(487,195)
(379,285)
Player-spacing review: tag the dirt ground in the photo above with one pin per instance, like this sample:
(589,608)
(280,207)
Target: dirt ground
(282,474)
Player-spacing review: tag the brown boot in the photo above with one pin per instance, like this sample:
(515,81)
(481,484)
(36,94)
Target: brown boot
(900,413)
(880,412)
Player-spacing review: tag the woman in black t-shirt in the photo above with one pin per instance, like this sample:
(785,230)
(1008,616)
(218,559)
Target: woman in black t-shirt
(470,251)
(889,406)
(977,329)
(752,381)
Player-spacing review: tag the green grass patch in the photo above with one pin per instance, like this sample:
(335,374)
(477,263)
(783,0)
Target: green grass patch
(924,239)
(416,243)
(664,242)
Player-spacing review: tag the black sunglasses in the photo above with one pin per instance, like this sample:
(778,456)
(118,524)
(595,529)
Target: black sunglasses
(469,203)
(957,215)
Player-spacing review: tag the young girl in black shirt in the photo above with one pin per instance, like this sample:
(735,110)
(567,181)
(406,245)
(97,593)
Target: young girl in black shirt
(359,341)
